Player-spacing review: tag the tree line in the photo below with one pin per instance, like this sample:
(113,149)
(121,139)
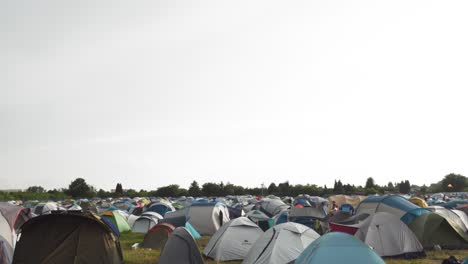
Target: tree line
(80,189)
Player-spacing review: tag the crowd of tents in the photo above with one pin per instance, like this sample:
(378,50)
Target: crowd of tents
(303,229)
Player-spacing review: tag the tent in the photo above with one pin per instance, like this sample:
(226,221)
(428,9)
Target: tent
(434,229)
(389,237)
(418,201)
(177,218)
(67,238)
(157,236)
(145,222)
(117,220)
(233,240)
(280,244)
(338,248)
(161,207)
(181,248)
(410,215)
(394,204)
(207,218)
(272,206)
(346,199)
(460,218)
(7,240)
(260,218)
(45,208)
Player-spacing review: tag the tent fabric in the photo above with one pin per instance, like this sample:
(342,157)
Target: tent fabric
(450,214)
(177,218)
(181,248)
(272,206)
(45,208)
(389,237)
(67,238)
(311,212)
(6,251)
(117,220)
(410,215)
(418,201)
(157,236)
(233,240)
(394,204)
(349,249)
(281,244)
(207,218)
(14,214)
(434,229)
(161,207)
(143,224)
(192,230)
(7,239)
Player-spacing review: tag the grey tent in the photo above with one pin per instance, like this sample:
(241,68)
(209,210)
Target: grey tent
(389,236)
(281,244)
(67,238)
(181,248)
(233,240)
(145,222)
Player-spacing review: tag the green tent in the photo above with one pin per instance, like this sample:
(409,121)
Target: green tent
(118,220)
(433,229)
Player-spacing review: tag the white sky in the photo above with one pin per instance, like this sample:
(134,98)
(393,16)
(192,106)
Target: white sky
(159,92)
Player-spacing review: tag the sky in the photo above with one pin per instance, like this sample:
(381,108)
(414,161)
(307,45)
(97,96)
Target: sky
(152,93)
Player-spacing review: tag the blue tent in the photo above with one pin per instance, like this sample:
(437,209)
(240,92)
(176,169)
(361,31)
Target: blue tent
(412,214)
(337,247)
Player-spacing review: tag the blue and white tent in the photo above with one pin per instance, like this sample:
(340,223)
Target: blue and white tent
(394,204)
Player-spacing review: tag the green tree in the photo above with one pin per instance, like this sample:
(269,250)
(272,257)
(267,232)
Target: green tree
(194,189)
(370,183)
(80,189)
(35,189)
(168,191)
(272,189)
(211,189)
(119,189)
(454,183)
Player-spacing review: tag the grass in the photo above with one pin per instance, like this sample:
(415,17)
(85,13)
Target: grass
(143,256)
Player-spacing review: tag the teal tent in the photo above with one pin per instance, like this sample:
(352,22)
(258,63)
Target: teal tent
(350,249)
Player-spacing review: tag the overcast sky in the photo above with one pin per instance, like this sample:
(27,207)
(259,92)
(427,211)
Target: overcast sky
(159,92)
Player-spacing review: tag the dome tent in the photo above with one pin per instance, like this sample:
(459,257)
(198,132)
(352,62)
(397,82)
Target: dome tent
(181,248)
(394,204)
(67,238)
(351,250)
(281,244)
(389,237)
(233,240)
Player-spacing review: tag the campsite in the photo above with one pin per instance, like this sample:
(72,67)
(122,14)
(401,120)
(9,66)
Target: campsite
(385,228)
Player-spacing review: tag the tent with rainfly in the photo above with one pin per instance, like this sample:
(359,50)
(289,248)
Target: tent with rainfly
(281,244)
(145,222)
(157,236)
(117,220)
(390,237)
(233,240)
(338,248)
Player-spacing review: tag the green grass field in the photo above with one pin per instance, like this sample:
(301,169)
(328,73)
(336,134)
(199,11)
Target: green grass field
(141,256)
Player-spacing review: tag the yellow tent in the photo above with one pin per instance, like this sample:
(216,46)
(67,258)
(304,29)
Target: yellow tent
(418,201)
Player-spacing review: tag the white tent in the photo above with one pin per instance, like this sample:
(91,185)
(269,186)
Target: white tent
(207,218)
(281,244)
(45,208)
(233,240)
(145,222)
(389,236)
